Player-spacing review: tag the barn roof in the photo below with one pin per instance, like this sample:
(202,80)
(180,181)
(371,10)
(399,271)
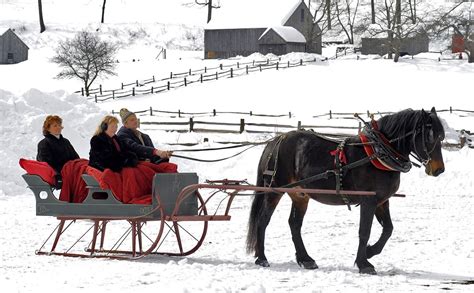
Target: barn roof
(3,29)
(288,33)
(237,14)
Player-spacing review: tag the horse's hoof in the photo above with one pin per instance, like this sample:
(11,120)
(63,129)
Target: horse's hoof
(262,262)
(368,271)
(309,265)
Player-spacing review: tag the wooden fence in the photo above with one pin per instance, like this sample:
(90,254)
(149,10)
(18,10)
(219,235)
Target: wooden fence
(241,125)
(183,79)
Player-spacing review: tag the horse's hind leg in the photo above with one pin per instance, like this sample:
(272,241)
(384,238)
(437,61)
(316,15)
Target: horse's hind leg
(298,211)
(382,213)
(271,200)
(367,211)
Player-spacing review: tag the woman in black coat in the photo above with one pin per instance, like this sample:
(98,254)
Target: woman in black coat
(106,150)
(54,149)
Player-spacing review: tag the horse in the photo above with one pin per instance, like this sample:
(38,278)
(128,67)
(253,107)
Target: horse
(293,158)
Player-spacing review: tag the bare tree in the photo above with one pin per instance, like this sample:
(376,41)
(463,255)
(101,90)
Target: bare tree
(210,6)
(459,18)
(372,10)
(40,9)
(412,4)
(328,13)
(346,17)
(103,11)
(85,57)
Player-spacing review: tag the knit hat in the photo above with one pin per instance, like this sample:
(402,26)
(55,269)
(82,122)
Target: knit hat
(125,114)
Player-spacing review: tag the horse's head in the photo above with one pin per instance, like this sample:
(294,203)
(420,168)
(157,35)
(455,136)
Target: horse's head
(427,142)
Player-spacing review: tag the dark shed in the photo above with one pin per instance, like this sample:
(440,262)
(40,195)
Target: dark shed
(12,48)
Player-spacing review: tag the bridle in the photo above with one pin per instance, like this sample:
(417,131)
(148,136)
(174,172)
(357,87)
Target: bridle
(427,153)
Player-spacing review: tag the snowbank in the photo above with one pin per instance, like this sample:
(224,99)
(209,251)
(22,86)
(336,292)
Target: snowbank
(21,128)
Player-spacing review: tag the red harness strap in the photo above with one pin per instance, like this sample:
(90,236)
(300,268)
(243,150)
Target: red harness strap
(369,149)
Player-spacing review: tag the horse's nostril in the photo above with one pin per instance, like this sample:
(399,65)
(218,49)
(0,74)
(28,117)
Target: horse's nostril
(438,171)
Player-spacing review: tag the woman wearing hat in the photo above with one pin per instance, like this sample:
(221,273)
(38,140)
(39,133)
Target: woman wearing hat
(54,149)
(107,152)
(139,142)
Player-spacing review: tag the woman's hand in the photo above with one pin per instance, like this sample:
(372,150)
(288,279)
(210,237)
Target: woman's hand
(163,154)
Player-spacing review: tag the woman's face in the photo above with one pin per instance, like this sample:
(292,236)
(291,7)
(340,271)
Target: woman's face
(55,128)
(111,129)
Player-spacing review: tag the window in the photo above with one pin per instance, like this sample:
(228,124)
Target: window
(10,56)
(302,15)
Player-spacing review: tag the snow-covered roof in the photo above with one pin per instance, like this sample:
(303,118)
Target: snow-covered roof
(252,13)
(288,33)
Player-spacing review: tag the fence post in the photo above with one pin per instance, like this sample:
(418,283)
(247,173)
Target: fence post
(288,64)
(278,63)
(82,91)
(151,111)
(289,114)
(217,76)
(95,98)
(190,72)
(185,82)
(169,86)
(152,89)
(251,113)
(133,92)
(214,112)
(330,114)
(191,125)
(260,65)
(246,69)
(201,77)
(122,85)
(299,125)
(242,125)
(301,62)
(231,73)
(171,75)
(368,113)
(153,78)
(100,89)
(450,110)
(237,64)
(220,65)
(113,94)
(113,112)
(136,82)
(205,69)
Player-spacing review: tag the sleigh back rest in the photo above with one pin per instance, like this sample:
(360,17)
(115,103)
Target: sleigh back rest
(168,187)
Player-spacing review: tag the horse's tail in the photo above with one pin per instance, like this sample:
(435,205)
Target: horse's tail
(255,211)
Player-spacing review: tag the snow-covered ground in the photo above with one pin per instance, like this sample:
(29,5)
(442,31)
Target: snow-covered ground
(431,249)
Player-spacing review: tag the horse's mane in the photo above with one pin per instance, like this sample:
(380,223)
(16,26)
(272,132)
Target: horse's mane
(398,125)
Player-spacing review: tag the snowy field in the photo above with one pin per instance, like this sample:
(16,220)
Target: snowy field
(432,246)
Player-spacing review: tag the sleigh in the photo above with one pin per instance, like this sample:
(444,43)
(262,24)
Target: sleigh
(175,223)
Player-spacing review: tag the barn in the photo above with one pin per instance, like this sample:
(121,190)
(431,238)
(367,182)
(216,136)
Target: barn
(412,45)
(12,48)
(278,27)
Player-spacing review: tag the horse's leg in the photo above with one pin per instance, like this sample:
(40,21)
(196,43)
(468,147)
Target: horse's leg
(382,213)
(367,211)
(270,202)
(298,211)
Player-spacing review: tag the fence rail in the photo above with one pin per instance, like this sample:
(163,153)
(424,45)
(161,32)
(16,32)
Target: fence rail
(180,79)
(252,127)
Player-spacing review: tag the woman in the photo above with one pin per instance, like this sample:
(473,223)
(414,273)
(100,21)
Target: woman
(54,149)
(106,150)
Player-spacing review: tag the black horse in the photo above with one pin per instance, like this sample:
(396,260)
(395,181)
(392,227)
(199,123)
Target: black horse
(298,155)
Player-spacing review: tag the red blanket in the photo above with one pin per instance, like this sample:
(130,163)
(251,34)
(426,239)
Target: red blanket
(74,189)
(131,185)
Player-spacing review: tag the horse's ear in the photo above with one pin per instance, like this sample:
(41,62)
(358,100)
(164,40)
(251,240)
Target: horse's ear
(433,110)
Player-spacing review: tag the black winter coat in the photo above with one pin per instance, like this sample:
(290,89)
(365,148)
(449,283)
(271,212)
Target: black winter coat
(105,155)
(133,144)
(56,152)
